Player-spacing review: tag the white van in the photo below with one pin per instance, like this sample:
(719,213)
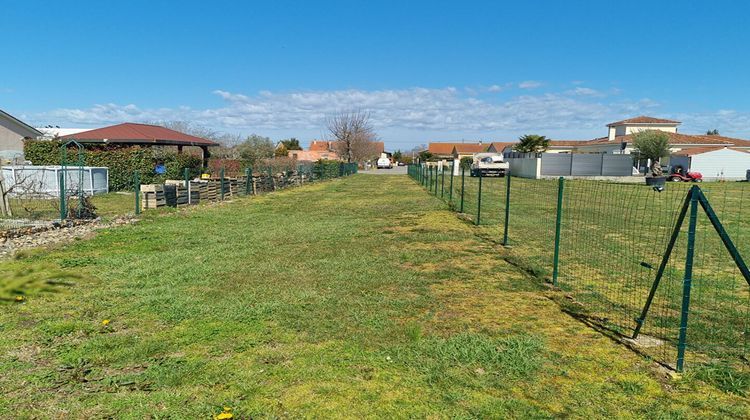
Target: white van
(385,163)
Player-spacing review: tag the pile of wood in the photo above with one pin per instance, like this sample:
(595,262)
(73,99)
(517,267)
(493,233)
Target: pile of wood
(174,193)
(152,196)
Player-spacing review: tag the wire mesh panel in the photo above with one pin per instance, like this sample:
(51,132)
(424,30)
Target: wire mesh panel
(613,238)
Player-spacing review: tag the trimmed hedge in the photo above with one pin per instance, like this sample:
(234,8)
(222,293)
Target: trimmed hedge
(122,161)
(328,168)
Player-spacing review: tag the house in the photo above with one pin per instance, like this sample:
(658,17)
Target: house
(324,149)
(444,151)
(463,150)
(714,162)
(498,147)
(12,134)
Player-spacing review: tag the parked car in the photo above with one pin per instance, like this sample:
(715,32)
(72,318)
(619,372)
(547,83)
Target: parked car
(401,164)
(489,164)
(385,163)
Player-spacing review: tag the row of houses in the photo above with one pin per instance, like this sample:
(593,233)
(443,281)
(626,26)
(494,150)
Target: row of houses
(715,156)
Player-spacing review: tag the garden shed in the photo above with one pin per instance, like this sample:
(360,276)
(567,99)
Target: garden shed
(715,163)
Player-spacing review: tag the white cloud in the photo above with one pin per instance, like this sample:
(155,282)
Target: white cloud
(529,84)
(584,91)
(412,110)
(497,88)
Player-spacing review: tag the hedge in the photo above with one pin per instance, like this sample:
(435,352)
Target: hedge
(122,161)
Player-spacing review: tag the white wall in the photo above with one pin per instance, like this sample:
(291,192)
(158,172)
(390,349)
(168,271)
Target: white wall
(721,164)
(526,167)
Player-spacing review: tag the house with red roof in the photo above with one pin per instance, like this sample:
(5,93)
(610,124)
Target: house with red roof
(329,150)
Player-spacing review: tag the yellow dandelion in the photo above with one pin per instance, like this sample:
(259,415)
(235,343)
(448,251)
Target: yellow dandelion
(105,322)
(20,298)
(223,416)
(227,408)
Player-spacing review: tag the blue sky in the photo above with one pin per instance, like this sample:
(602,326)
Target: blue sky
(426,70)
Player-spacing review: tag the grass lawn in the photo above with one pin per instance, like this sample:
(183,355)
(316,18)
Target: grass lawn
(613,237)
(358,297)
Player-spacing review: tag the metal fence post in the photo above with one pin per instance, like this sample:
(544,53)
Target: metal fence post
(507,209)
(558,220)
(63,202)
(221,177)
(437,181)
(463,184)
(137,189)
(687,282)
(450,192)
(479,199)
(442,182)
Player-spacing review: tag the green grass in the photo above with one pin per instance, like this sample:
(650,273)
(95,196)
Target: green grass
(608,231)
(359,297)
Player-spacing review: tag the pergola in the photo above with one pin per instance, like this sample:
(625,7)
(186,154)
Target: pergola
(142,135)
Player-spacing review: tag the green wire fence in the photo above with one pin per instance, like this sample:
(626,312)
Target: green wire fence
(624,256)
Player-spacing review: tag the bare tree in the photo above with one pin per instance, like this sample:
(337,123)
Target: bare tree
(353,135)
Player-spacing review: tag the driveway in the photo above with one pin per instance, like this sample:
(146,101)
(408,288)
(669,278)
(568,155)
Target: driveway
(397,170)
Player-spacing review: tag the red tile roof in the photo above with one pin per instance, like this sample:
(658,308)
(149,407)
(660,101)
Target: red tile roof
(643,120)
(566,143)
(439,148)
(319,146)
(674,138)
(469,148)
(325,146)
(139,134)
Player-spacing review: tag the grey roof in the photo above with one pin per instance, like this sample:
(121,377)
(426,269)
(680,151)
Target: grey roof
(34,132)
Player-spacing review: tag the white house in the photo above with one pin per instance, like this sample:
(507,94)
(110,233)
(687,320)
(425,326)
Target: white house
(714,163)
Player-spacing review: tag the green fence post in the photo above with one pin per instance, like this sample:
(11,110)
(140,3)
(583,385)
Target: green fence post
(450,192)
(63,202)
(558,221)
(479,198)
(442,182)
(687,282)
(507,209)
(221,178)
(137,189)
(437,180)
(463,184)
(430,180)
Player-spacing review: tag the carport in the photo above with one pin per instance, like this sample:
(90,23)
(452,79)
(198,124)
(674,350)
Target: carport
(143,135)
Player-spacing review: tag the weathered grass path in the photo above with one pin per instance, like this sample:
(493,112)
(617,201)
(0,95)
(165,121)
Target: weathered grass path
(361,297)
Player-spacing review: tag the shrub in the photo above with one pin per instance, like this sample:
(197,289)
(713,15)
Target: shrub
(122,161)
(466,162)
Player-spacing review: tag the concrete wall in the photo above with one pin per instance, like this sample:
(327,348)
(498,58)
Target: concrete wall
(525,167)
(586,165)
